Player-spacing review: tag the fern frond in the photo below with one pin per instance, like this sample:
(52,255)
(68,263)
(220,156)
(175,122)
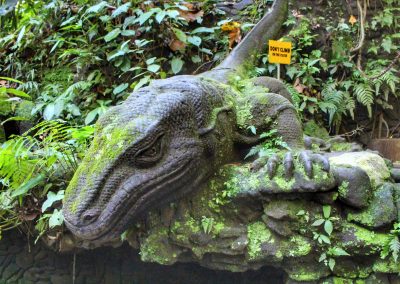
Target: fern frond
(394,246)
(365,96)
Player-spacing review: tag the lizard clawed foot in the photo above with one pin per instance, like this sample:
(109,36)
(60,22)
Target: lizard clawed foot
(306,158)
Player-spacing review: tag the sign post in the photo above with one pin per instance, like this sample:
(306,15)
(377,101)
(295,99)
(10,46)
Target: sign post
(279,53)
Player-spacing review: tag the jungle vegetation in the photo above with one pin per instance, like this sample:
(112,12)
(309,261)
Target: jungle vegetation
(64,63)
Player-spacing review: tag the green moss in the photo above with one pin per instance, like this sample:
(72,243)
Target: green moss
(283,183)
(386,266)
(311,128)
(257,234)
(370,242)
(339,280)
(243,112)
(344,188)
(155,248)
(298,246)
(108,144)
(308,272)
(371,163)
(341,147)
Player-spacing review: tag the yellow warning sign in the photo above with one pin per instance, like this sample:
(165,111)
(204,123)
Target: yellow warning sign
(280,52)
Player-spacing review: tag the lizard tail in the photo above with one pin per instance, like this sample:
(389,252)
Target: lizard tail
(254,42)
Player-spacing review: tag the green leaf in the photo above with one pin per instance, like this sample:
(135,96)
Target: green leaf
(387,44)
(128,33)
(325,239)
(120,88)
(144,81)
(253,129)
(322,257)
(68,21)
(328,227)
(180,35)
(49,111)
(121,10)
(151,60)
(51,198)
(331,264)
(18,93)
(26,186)
(112,35)
(20,36)
(91,116)
(327,211)
(97,8)
(14,118)
(56,219)
(160,16)
(173,13)
(153,68)
(336,251)
(301,213)
(11,80)
(202,30)
(176,65)
(195,40)
(196,59)
(318,222)
(144,17)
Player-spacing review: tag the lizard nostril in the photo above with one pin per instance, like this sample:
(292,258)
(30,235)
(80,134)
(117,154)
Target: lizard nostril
(89,217)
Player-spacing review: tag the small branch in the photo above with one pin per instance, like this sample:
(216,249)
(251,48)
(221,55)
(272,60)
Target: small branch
(390,66)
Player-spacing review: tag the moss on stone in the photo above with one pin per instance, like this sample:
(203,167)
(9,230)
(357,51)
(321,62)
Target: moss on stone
(341,147)
(298,246)
(386,266)
(305,272)
(372,242)
(155,247)
(371,163)
(108,144)
(257,234)
(343,189)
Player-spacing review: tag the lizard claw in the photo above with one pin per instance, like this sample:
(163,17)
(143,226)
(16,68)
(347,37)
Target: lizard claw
(288,165)
(322,160)
(258,164)
(272,165)
(310,141)
(306,160)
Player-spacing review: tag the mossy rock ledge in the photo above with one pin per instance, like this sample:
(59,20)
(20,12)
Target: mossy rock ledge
(243,220)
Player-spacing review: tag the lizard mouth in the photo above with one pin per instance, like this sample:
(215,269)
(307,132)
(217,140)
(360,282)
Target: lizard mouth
(110,226)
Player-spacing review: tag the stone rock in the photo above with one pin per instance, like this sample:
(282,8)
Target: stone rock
(200,238)
(280,228)
(357,240)
(240,244)
(373,164)
(396,189)
(381,211)
(354,186)
(395,173)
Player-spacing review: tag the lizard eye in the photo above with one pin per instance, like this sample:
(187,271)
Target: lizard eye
(151,154)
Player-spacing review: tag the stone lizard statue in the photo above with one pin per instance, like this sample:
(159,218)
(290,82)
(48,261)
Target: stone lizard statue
(168,138)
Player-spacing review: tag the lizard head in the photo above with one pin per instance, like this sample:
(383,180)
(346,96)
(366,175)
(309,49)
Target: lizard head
(145,152)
